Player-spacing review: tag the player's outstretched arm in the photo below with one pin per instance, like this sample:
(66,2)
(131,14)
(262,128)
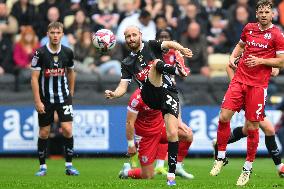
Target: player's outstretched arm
(277,62)
(175,45)
(119,91)
(130,121)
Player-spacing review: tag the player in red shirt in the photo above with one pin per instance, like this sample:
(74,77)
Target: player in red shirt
(150,127)
(262,47)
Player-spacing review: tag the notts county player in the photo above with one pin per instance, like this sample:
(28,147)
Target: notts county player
(53,81)
(145,65)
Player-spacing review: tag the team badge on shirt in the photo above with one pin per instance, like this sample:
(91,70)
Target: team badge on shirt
(267,36)
(134,103)
(55,58)
(34,60)
(144,159)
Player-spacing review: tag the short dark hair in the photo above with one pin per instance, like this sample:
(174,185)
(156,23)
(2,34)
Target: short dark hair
(262,3)
(167,30)
(144,14)
(57,25)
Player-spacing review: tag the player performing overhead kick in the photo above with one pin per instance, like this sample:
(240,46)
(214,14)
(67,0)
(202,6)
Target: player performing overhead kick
(157,90)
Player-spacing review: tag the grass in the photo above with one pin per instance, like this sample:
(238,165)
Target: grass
(102,173)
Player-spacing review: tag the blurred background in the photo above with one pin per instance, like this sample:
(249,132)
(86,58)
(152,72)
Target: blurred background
(210,28)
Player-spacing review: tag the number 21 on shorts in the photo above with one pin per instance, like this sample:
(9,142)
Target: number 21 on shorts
(68,109)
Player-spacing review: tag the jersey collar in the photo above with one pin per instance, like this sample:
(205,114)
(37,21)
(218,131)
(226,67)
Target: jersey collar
(271,26)
(134,54)
(51,51)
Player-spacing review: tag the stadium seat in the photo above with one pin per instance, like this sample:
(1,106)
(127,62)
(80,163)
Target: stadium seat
(87,82)
(194,90)
(217,64)
(68,21)
(217,87)
(108,82)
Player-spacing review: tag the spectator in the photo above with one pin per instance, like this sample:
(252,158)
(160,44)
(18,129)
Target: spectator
(43,19)
(84,53)
(105,15)
(191,16)
(6,65)
(161,22)
(8,23)
(217,39)
(53,16)
(194,40)
(154,7)
(25,48)
(142,21)
(80,23)
(25,13)
(236,25)
(129,8)
(211,9)
(175,10)
(109,63)
(232,10)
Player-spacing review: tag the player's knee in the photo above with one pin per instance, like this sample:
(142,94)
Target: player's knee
(67,132)
(148,175)
(224,117)
(269,131)
(172,135)
(43,133)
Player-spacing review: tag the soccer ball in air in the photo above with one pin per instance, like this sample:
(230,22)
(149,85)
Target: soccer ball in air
(104,40)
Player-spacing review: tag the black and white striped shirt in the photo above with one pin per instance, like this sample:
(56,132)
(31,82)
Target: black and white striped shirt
(53,84)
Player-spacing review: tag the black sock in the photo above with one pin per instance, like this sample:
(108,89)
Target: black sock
(42,150)
(236,135)
(172,156)
(68,148)
(273,149)
(165,68)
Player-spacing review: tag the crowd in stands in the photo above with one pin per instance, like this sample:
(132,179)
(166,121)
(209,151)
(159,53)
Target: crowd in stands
(204,26)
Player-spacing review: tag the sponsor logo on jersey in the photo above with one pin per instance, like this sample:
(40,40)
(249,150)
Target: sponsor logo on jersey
(255,44)
(35,60)
(54,72)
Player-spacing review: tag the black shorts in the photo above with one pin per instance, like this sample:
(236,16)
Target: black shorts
(160,98)
(64,111)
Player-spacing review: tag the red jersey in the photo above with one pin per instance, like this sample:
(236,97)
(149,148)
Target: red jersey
(170,57)
(262,44)
(149,122)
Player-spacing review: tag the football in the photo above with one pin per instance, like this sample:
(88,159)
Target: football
(104,40)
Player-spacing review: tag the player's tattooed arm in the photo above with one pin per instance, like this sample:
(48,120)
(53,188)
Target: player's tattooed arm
(119,91)
(236,54)
(130,121)
(277,62)
(174,45)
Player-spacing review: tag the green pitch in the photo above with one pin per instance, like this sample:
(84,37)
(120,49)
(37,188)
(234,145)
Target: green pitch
(97,173)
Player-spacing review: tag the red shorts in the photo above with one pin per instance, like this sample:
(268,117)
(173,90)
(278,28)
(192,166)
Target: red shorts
(148,147)
(251,99)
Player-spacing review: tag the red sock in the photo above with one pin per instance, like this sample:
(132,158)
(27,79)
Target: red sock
(135,173)
(252,143)
(182,150)
(223,134)
(162,151)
